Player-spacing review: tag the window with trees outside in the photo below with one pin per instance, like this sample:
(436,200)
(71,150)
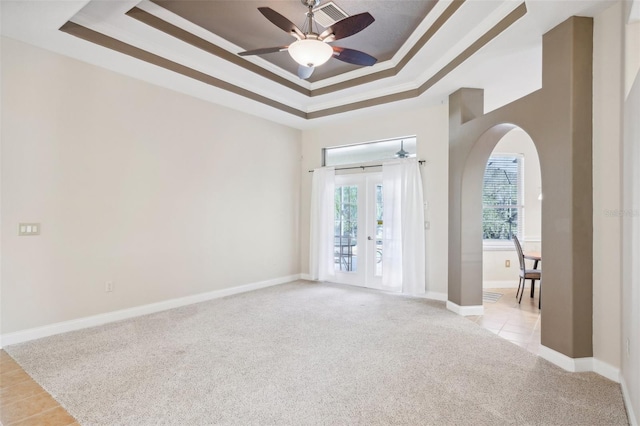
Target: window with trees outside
(502,206)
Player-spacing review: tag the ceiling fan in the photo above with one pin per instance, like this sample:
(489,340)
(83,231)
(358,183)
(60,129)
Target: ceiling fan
(312,49)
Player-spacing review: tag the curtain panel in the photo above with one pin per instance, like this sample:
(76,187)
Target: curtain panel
(322,221)
(403,229)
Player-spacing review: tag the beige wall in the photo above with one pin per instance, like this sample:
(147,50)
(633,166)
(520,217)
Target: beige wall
(161,193)
(494,272)
(1,140)
(607,83)
(430,127)
(631,217)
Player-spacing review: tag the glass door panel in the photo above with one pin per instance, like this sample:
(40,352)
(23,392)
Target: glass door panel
(345,247)
(374,223)
(378,231)
(358,229)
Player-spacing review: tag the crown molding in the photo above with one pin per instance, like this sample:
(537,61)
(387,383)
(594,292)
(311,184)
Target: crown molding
(382,96)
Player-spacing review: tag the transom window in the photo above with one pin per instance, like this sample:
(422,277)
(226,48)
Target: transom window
(502,205)
(369,151)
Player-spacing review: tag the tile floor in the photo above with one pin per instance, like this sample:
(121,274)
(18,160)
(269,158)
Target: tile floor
(518,323)
(23,402)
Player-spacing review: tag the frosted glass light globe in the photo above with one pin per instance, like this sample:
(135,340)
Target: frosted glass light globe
(310,52)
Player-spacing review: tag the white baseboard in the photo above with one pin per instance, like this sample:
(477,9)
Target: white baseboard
(434,295)
(95,320)
(430,295)
(465,311)
(500,284)
(577,365)
(606,370)
(633,420)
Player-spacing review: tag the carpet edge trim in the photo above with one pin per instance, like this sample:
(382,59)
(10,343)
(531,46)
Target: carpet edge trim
(122,314)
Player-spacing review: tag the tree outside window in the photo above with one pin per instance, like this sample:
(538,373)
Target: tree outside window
(502,198)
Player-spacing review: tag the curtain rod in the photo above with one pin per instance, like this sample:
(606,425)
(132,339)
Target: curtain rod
(421,162)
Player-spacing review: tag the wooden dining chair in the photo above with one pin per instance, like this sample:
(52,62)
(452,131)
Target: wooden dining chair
(526,274)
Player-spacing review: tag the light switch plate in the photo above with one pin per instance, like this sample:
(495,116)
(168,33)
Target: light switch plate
(27,229)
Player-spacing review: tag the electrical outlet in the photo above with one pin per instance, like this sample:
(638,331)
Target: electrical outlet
(108,286)
(507,263)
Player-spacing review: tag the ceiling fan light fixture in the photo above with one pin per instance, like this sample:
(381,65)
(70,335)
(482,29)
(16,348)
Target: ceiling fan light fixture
(310,52)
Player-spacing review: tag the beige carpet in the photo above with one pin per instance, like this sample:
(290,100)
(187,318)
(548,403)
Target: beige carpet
(310,354)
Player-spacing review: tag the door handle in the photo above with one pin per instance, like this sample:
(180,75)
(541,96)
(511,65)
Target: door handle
(369,238)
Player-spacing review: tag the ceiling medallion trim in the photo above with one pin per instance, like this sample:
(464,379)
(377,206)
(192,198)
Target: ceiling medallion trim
(181,34)
(98,38)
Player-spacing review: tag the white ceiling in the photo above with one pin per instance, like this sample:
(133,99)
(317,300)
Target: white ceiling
(507,68)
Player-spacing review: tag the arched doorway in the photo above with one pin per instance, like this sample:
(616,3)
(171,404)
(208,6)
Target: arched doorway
(511,206)
(559,119)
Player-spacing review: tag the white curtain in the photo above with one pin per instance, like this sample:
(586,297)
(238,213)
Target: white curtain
(403,257)
(321,239)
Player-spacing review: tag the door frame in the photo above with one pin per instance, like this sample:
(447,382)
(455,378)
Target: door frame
(365,275)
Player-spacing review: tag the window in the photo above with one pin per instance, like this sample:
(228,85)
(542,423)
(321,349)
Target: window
(369,151)
(502,207)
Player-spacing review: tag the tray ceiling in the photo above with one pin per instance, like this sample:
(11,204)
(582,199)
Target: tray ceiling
(425,49)
(240,23)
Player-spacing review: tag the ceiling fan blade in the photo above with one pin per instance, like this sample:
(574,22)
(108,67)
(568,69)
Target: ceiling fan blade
(281,22)
(305,72)
(352,56)
(347,27)
(263,51)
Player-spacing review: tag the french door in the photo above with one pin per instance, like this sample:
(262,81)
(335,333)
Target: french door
(358,229)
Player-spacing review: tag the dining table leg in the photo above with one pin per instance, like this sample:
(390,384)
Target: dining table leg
(533,282)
